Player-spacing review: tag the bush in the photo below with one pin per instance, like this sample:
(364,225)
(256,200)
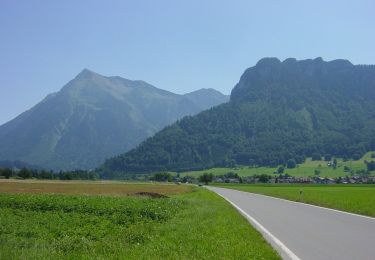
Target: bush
(291,163)
(7,173)
(316,157)
(362,172)
(24,173)
(327,157)
(334,165)
(264,178)
(370,166)
(206,178)
(280,170)
(162,176)
(299,159)
(231,175)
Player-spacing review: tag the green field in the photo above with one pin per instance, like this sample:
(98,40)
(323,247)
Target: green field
(302,170)
(190,223)
(358,199)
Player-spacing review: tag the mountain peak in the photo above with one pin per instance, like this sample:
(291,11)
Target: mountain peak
(290,61)
(85,78)
(270,76)
(85,70)
(86,73)
(268,61)
(340,63)
(205,91)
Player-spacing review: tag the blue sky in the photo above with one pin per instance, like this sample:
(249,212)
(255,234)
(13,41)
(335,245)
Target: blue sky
(175,45)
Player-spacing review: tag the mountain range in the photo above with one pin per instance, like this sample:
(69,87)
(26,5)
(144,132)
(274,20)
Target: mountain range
(94,117)
(278,111)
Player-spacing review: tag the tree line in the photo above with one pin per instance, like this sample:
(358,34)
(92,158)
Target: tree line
(26,173)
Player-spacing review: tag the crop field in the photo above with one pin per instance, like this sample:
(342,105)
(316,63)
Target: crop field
(51,220)
(358,199)
(112,188)
(302,170)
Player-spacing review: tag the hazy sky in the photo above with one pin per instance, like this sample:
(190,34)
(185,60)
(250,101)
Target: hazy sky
(176,45)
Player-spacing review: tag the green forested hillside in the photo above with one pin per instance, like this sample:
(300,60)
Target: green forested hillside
(278,111)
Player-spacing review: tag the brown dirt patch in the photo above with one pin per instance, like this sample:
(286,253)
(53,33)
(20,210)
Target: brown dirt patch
(152,195)
(111,188)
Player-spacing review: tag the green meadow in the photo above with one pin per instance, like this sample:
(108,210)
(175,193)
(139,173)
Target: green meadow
(191,224)
(358,199)
(306,169)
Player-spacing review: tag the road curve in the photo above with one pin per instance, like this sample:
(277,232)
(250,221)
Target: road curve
(302,231)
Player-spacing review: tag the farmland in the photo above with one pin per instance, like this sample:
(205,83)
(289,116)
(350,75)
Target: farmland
(41,219)
(358,199)
(110,188)
(305,169)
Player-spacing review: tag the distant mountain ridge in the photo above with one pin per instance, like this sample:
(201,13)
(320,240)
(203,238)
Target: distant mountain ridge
(94,117)
(278,111)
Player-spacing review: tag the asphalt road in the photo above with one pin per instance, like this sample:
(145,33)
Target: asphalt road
(301,231)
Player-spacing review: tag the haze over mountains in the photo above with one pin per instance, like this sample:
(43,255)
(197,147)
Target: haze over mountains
(278,111)
(95,117)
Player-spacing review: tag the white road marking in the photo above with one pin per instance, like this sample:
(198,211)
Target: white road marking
(278,245)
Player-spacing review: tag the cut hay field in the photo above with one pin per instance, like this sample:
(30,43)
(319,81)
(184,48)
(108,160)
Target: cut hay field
(358,199)
(53,220)
(110,188)
(305,169)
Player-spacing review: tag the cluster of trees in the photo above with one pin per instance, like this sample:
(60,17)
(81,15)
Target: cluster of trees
(319,157)
(78,175)
(370,165)
(6,172)
(206,178)
(25,173)
(162,177)
(276,116)
(209,177)
(167,177)
(290,164)
(229,175)
(263,178)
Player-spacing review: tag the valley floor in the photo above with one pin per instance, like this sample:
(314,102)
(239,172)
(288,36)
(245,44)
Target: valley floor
(40,219)
(306,169)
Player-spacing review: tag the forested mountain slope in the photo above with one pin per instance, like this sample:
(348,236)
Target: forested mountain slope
(277,111)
